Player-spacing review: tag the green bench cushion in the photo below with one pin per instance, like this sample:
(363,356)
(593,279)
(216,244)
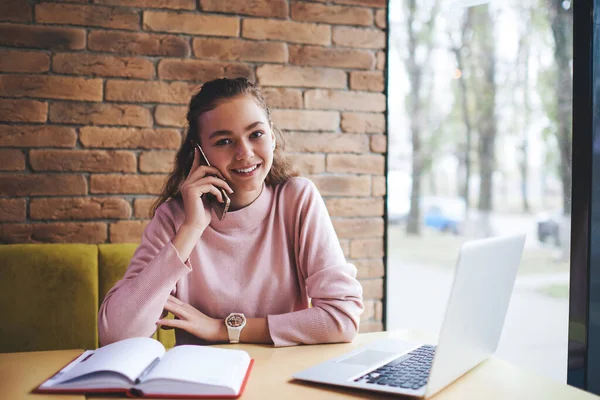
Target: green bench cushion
(50,297)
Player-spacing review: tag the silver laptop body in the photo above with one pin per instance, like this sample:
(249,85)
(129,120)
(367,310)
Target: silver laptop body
(485,275)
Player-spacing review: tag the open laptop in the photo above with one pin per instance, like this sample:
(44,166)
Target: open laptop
(483,283)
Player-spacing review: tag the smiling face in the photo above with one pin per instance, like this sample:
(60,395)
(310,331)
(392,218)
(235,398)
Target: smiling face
(237,139)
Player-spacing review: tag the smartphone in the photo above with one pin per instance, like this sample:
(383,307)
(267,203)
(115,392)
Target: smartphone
(219,208)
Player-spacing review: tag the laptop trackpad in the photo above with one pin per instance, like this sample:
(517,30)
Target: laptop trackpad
(368,357)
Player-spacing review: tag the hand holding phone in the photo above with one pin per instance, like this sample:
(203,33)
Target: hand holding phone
(220,208)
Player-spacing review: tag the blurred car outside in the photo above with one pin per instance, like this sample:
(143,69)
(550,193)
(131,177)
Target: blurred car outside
(548,227)
(442,213)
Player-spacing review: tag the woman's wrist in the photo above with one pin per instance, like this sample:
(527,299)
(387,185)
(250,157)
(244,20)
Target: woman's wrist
(185,239)
(221,335)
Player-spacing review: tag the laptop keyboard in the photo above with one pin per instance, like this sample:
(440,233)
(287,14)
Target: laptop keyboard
(409,371)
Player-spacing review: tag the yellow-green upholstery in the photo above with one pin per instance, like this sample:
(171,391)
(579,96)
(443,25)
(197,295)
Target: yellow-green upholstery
(50,294)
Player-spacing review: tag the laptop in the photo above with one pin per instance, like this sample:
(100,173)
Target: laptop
(483,283)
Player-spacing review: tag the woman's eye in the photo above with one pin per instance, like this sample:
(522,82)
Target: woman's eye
(257,134)
(223,142)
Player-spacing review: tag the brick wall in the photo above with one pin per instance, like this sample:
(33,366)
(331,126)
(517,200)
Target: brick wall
(93,98)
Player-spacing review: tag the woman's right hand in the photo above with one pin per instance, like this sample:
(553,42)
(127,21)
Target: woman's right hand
(201,180)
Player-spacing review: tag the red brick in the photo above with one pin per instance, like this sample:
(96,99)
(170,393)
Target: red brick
(372,268)
(202,71)
(51,87)
(191,23)
(42,37)
(240,50)
(355,207)
(12,160)
(381,19)
(127,231)
(157,161)
(372,288)
(306,120)
(359,37)
(138,44)
(17,185)
(366,248)
(344,100)
(127,184)
(23,110)
(257,8)
(172,4)
(288,31)
(129,138)
(83,160)
(102,65)
(171,115)
(37,136)
(283,97)
(379,186)
(308,164)
(15,11)
(281,75)
(150,92)
(367,327)
(79,208)
(332,14)
(380,60)
(363,122)
(142,207)
(369,310)
(379,143)
(331,57)
(373,310)
(23,61)
(100,114)
(326,142)
(366,3)
(356,163)
(345,245)
(342,185)
(367,80)
(57,232)
(356,228)
(87,15)
(12,210)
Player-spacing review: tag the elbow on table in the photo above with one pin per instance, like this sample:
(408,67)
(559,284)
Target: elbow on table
(348,334)
(346,331)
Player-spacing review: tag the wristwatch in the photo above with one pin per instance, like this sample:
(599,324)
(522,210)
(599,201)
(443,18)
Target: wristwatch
(235,322)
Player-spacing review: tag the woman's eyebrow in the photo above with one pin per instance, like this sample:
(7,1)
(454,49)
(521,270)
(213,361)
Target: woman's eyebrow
(225,132)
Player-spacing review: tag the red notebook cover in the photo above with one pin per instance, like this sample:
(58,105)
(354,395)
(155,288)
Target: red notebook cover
(137,393)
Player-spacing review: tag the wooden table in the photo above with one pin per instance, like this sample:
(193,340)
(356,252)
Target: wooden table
(273,367)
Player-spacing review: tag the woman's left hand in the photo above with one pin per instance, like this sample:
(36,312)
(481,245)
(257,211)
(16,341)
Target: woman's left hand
(191,320)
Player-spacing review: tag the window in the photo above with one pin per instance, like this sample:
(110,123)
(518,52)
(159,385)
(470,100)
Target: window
(480,145)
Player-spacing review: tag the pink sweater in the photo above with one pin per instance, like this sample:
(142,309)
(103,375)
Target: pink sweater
(265,260)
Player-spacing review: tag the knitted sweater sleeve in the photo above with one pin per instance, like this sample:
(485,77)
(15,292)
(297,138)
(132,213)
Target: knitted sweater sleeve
(132,307)
(330,281)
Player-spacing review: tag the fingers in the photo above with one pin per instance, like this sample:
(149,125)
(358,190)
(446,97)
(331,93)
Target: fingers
(171,323)
(176,307)
(203,170)
(213,180)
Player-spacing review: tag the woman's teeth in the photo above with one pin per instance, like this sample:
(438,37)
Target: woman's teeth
(246,170)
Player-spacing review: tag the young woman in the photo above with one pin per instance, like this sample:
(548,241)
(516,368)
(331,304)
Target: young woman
(251,276)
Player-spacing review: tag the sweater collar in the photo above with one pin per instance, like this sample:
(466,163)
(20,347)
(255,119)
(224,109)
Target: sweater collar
(247,217)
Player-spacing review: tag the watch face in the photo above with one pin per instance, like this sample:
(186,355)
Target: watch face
(235,320)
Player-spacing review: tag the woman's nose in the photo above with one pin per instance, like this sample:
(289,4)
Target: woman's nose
(243,151)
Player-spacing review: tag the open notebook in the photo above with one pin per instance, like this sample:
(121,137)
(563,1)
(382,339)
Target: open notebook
(141,367)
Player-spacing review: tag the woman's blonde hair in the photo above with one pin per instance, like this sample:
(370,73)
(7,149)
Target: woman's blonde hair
(209,96)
